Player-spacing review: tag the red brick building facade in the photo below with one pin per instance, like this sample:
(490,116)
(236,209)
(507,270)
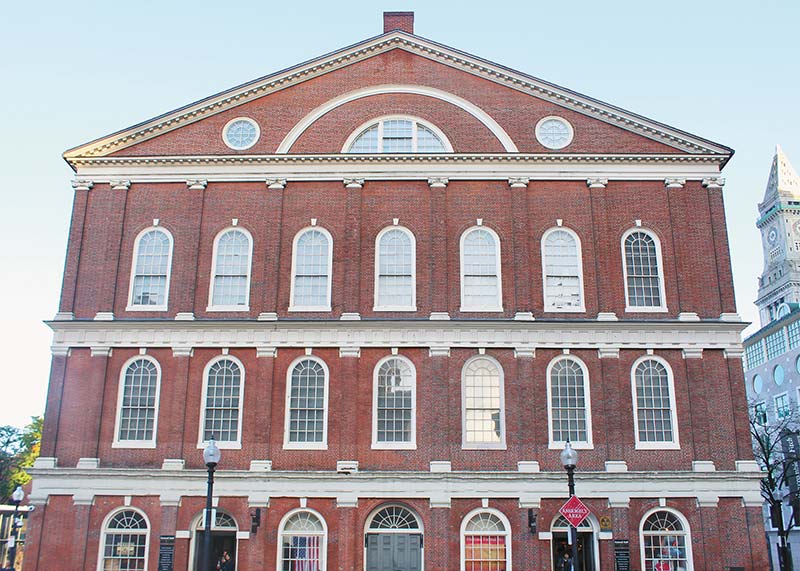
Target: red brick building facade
(391,282)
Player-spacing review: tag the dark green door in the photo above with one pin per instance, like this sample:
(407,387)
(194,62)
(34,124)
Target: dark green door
(394,552)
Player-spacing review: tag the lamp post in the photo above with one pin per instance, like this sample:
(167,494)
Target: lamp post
(211,457)
(16,497)
(569,459)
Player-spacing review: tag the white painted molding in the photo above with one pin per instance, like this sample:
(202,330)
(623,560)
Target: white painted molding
(260,465)
(184,316)
(267,316)
(607,316)
(674,182)
(104,316)
(692,353)
(60,351)
(616,466)
(83,498)
(169,500)
(353,183)
(347,466)
(100,351)
(703,466)
(714,182)
(605,535)
(596,182)
(730,317)
(735,353)
(438,182)
(519,182)
(525,352)
(439,316)
(439,500)
(707,501)
(173,464)
(242,535)
(524,316)
(183,534)
(618,501)
(64,316)
(688,316)
(82,184)
(45,463)
(528,466)
(545,536)
(276,183)
(349,351)
(747,466)
(438,466)
(182,351)
(88,463)
(266,352)
(196,184)
(350,316)
(439,351)
(530,501)
(608,353)
(347,501)
(120,184)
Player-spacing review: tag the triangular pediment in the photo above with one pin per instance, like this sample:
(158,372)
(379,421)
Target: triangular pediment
(783,180)
(680,141)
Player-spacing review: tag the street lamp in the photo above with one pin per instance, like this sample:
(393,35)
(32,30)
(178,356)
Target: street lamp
(16,497)
(569,459)
(211,457)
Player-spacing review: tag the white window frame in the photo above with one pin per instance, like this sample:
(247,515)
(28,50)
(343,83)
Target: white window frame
(292,306)
(661,277)
(117,443)
(588,444)
(238,308)
(323,559)
(104,531)
(687,530)
(287,445)
(582,307)
(675,444)
(411,444)
(788,405)
(508,535)
(222,444)
(138,307)
(498,268)
(483,445)
(448,147)
(376,290)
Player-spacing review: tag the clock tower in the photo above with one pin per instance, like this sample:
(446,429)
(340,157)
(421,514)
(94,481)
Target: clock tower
(779,222)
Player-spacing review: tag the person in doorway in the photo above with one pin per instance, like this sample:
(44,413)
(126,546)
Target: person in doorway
(565,562)
(226,563)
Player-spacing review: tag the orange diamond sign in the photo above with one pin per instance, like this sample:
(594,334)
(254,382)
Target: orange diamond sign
(574,511)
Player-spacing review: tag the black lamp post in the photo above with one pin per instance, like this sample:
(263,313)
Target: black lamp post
(211,456)
(569,459)
(16,497)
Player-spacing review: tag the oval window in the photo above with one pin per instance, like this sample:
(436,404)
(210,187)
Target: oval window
(778,375)
(758,384)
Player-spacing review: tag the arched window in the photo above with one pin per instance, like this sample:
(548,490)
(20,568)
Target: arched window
(152,261)
(222,410)
(230,282)
(483,404)
(563,272)
(311,271)
(391,518)
(137,404)
(125,542)
(568,404)
(307,405)
(654,404)
(395,270)
(303,537)
(644,285)
(481,287)
(397,135)
(666,542)
(394,404)
(485,541)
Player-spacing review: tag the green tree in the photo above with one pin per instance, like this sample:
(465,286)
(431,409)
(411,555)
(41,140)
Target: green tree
(18,450)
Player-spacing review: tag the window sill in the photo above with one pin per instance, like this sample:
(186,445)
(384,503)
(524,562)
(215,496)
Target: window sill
(146,308)
(228,308)
(221,445)
(390,446)
(133,444)
(657,446)
(305,446)
(660,309)
(300,308)
(484,446)
(480,309)
(397,308)
(576,445)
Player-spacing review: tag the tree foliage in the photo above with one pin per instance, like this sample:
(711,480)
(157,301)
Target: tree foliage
(18,450)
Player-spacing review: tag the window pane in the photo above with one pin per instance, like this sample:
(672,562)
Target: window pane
(307,402)
(395,268)
(641,263)
(653,402)
(367,142)
(427,141)
(222,402)
(481,270)
(664,542)
(152,267)
(562,271)
(125,550)
(311,270)
(568,402)
(397,136)
(395,402)
(138,410)
(232,269)
(483,418)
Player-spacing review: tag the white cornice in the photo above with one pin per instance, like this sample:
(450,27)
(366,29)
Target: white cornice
(373,46)
(508,334)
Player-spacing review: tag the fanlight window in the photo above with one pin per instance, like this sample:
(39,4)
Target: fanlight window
(223,396)
(654,407)
(221,521)
(231,270)
(303,543)
(125,543)
(485,543)
(563,290)
(137,413)
(561,524)
(664,543)
(394,517)
(151,270)
(394,424)
(397,136)
(569,410)
(642,271)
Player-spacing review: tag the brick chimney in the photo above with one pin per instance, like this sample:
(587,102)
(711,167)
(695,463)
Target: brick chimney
(403,21)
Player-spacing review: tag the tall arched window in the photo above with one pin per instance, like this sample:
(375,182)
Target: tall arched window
(152,261)
(644,284)
(568,405)
(654,404)
(137,404)
(307,405)
(394,404)
(397,134)
(665,541)
(481,286)
(563,272)
(230,282)
(483,404)
(303,538)
(485,541)
(311,271)
(222,402)
(125,541)
(395,270)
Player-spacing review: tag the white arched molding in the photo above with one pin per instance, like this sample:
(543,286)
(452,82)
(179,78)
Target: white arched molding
(686,533)
(472,444)
(214,260)
(590,524)
(135,304)
(378,258)
(398,508)
(293,306)
(106,531)
(662,306)
(578,444)
(134,443)
(198,523)
(323,544)
(224,444)
(448,147)
(461,103)
(506,534)
(674,443)
(468,305)
(411,443)
(288,443)
(553,305)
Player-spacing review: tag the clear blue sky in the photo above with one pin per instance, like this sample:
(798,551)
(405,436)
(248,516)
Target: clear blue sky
(73,71)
